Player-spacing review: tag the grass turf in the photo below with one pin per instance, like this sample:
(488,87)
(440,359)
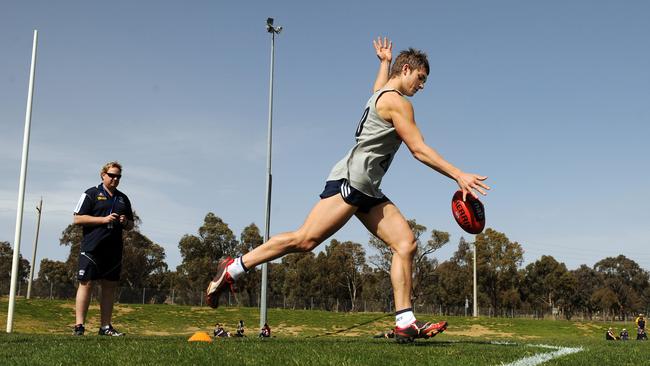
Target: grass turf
(159,333)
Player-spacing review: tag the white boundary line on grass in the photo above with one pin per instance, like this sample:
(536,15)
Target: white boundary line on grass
(543,357)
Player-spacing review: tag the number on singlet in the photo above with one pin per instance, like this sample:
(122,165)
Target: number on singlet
(361,122)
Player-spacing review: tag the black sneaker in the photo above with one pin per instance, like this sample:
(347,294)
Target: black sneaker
(79,330)
(419,329)
(110,331)
(219,283)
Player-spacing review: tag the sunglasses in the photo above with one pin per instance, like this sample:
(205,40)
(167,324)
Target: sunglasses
(114,176)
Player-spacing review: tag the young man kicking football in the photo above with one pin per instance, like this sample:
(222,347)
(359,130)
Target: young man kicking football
(352,189)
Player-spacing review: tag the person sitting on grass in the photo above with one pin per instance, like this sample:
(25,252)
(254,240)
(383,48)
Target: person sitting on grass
(625,335)
(641,335)
(610,335)
(219,331)
(240,329)
(265,332)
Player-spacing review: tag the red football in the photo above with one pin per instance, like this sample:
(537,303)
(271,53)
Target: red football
(469,214)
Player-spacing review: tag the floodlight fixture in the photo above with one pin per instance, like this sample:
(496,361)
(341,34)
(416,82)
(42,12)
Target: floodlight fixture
(270,28)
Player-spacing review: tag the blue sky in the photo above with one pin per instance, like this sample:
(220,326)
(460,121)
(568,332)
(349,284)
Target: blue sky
(550,99)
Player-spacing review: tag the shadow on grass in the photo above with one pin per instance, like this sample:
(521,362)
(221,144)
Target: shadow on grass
(350,328)
(416,343)
(433,343)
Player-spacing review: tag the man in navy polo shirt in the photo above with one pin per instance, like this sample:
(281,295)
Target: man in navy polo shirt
(104,212)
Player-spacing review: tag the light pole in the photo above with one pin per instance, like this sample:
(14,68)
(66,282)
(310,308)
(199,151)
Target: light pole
(273,30)
(475,307)
(39,209)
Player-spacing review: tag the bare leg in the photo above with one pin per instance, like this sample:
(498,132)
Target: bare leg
(326,218)
(107,300)
(386,222)
(82,301)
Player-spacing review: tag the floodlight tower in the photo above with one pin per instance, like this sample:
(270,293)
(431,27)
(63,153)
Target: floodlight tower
(273,30)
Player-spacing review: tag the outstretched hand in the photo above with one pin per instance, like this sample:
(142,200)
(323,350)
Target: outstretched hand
(383,48)
(469,183)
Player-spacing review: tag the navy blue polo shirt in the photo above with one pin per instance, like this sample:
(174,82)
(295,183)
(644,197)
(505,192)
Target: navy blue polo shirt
(97,202)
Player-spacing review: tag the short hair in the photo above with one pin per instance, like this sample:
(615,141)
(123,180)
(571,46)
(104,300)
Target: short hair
(416,59)
(111,164)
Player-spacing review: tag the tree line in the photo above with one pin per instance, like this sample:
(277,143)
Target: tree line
(342,277)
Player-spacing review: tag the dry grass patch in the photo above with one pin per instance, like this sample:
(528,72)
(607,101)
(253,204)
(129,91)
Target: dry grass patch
(477,330)
(157,333)
(284,329)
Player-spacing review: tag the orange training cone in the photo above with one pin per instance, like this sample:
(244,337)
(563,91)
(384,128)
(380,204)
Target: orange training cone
(200,337)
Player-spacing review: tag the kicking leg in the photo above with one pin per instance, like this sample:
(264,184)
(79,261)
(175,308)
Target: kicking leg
(327,217)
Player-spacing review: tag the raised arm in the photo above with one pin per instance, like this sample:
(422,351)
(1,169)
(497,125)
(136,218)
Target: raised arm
(384,50)
(400,112)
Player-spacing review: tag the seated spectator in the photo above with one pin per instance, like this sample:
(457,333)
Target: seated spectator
(219,331)
(641,335)
(265,332)
(610,335)
(240,329)
(625,335)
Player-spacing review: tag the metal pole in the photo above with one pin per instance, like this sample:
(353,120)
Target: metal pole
(21,190)
(475,310)
(269,178)
(31,270)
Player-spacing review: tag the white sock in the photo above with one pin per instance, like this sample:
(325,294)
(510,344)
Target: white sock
(236,269)
(403,319)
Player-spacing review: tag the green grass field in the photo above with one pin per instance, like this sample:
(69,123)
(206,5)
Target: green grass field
(158,334)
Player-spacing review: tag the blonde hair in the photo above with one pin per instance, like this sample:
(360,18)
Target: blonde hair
(111,164)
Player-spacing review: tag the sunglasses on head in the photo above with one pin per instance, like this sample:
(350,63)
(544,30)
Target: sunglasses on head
(114,176)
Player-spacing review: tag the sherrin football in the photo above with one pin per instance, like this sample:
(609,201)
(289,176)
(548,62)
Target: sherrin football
(469,214)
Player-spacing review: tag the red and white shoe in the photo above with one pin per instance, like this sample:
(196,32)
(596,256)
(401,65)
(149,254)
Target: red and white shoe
(219,283)
(419,329)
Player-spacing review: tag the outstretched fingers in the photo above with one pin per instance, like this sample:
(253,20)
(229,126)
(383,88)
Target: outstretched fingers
(480,186)
(377,43)
(388,44)
(383,48)
(471,183)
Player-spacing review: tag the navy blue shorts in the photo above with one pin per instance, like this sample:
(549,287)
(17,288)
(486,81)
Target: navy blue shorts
(99,266)
(351,195)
